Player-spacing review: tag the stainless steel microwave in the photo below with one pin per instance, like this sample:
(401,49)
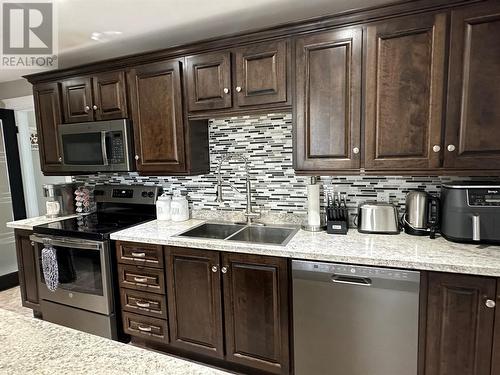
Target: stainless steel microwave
(96,146)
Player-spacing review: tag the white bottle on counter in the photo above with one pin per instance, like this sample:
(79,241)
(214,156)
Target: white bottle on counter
(179,209)
(163,207)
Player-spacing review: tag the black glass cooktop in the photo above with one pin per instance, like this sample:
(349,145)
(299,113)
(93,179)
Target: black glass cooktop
(96,226)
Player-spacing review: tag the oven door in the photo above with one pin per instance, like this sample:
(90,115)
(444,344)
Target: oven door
(84,273)
(96,146)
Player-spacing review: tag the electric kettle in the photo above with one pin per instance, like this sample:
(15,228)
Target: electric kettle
(422,214)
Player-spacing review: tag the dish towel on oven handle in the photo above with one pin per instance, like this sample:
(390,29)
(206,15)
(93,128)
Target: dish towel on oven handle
(50,268)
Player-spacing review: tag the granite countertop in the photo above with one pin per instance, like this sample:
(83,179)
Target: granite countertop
(29,223)
(32,346)
(400,251)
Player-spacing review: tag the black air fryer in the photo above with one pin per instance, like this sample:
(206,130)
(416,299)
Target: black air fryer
(471,212)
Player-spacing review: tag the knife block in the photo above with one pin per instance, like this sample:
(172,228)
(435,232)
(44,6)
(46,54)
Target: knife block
(337,220)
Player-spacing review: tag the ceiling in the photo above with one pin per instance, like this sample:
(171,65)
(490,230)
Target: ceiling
(147,25)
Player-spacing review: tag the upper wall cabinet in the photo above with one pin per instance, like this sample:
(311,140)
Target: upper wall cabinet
(48,117)
(405,67)
(327,93)
(164,143)
(260,74)
(473,115)
(100,97)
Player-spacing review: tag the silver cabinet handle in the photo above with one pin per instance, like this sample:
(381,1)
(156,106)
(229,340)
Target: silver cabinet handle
(136,157)
(451,148)
(144,329)
(214,268)
(223,270)
(355,150)
(238,88)
(94,107)
(140,279)
(490,303)
(60,158)
(143,304)
(32,243)
(226,90)
(87,108)
(138,255)
(436,148)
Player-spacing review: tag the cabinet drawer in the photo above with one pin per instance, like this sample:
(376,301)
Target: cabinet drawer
(145,327)
(141,278)
(154,305)
(139,254)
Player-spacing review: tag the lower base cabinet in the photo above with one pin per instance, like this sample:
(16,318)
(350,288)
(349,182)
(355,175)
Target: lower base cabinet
(460,326)
(26,263)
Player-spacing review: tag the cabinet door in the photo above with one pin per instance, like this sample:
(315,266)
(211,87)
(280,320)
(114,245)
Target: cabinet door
(26,262)
(209,81)
(473,114)
(110,98)
(48,118)
(261,74)
(404,92)
(194,300)
(156,98)
(496,338)
(256,311)
(459,325)
(328,87)
(77,99)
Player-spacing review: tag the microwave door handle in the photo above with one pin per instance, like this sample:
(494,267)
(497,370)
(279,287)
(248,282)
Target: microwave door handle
(103,148)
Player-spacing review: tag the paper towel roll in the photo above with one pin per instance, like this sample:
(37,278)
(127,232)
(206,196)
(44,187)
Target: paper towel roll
(313,215)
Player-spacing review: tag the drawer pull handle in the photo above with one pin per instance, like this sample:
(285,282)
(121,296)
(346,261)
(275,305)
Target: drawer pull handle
(138,255)
(144,329)
(143,304)
(140,279)
(490,303)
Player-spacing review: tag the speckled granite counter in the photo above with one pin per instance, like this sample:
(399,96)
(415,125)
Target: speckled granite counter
(31,346)
(29,223)
(402,251)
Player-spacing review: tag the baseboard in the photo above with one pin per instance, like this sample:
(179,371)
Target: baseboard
(9,280)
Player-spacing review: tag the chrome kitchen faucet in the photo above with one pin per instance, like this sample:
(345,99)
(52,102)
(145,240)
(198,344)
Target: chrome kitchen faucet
(249,214)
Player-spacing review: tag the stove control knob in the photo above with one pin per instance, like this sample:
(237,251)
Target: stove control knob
(144,194)
(151,194)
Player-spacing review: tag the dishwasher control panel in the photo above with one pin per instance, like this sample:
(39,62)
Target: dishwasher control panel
(356,271)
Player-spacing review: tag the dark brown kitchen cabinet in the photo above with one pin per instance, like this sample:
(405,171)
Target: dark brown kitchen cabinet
(327,93)
(93,98)
(110,98)
(260,78)
(473,115)
(48,117)
(164,143)
(261,74)
(194,300)
(495,370)
(405,70)
(256,311)
(26,262)
(77,99)
(460,322)
(209,81)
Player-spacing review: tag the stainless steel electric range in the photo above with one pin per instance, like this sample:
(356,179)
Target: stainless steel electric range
(86,293)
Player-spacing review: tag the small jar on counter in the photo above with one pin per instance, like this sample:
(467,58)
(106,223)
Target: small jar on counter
(179,208)
(163,207)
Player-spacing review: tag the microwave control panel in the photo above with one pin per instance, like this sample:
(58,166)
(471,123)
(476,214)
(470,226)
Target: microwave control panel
(117,154)
(484,197)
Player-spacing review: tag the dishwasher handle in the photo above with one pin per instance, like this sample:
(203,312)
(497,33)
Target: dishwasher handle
(351,280)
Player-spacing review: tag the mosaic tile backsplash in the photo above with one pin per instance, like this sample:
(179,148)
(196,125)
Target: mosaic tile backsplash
(267,141)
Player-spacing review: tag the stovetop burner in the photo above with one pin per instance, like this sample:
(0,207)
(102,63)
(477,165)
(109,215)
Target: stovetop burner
(118,207)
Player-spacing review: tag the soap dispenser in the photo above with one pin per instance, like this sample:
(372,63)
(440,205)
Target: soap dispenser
(179,208)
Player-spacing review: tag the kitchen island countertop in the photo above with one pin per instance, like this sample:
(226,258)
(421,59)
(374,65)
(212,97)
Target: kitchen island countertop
(400,251)
(32,346)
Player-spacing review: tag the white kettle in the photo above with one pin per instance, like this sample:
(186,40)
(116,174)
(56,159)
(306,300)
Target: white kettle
(179,209)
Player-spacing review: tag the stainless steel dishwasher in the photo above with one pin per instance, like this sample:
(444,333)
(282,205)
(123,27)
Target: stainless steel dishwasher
(353,320)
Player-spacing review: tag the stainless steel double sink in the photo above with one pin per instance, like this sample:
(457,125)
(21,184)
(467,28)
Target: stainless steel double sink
(272,235)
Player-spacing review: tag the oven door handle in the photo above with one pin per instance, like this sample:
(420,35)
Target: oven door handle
(103,148)
(76,243)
